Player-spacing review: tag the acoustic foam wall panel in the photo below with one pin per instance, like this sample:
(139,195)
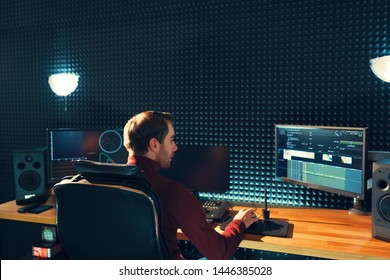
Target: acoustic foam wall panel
(228,70)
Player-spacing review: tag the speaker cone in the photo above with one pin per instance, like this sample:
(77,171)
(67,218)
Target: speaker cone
(29,180)
(384,207)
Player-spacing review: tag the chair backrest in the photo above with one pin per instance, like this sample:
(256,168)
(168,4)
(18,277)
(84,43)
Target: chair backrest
(109,221)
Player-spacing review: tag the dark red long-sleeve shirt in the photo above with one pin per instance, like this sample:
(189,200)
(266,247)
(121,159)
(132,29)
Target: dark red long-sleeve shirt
(180,209)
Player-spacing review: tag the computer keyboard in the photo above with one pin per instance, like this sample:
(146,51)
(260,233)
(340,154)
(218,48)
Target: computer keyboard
(215,210)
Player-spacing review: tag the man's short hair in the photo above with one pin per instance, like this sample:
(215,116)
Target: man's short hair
(143,127)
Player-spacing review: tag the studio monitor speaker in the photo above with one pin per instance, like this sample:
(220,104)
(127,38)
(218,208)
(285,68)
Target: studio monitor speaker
(31,184)
(381,200)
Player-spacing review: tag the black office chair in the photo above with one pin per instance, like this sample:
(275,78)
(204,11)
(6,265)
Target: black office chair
(109,211)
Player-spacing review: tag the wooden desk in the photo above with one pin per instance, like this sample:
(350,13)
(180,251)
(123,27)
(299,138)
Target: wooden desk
(322,233)
(8,211)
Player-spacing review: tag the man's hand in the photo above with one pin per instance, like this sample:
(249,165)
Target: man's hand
(248,216)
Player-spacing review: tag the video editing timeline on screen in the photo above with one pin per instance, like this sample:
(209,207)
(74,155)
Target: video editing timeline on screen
(330,157)
(66,145)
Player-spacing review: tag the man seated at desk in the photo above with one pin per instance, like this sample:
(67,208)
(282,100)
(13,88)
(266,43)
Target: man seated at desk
(149,138)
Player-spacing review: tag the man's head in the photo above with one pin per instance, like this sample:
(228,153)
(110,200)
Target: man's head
(151,134)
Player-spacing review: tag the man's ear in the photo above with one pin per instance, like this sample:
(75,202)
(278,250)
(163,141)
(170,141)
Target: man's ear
(153,144)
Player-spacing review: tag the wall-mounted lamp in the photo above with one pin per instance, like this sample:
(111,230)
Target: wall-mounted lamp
(63,84)
(381,67)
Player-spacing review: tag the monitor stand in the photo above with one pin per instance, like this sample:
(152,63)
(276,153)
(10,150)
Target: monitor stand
(357,208)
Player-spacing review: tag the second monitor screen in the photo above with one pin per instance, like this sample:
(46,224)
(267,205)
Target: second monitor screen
(201,168)
(66,145)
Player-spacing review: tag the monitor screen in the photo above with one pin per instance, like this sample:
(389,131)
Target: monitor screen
(66,145)
(331,159)
(201,168)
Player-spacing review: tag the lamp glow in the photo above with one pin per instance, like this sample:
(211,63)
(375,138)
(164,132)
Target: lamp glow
(381,67)
(63,84)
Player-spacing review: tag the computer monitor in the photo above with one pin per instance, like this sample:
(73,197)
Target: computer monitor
(201,168)
(68,144)
(331,159)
